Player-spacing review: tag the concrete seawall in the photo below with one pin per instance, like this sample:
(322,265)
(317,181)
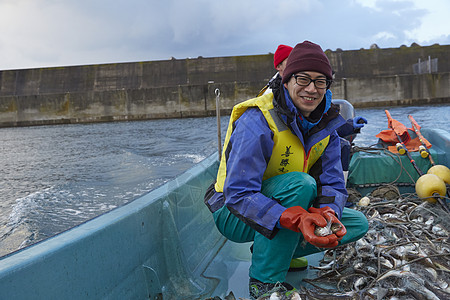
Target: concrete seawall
(185,88)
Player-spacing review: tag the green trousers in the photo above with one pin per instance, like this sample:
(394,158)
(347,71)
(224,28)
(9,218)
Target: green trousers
(271,258)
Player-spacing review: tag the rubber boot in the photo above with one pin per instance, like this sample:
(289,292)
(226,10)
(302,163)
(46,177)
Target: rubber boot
(298,264)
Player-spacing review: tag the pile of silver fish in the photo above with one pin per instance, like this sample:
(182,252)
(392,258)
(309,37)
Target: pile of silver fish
(404,255)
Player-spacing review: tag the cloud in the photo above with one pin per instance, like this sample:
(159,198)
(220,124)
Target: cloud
(62,32)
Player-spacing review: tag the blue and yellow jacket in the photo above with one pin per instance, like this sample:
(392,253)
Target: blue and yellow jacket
(261,142)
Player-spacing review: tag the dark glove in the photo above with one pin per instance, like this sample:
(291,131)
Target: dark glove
(329,214)
(298,219)
(358,122)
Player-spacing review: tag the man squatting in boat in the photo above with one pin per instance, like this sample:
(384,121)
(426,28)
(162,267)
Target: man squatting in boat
(280,173)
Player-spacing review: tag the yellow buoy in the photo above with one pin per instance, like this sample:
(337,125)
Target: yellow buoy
(442,171)
(400,148)
(428,185)
(423,151)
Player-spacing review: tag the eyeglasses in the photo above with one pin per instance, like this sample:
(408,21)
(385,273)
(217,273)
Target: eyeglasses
(318,83)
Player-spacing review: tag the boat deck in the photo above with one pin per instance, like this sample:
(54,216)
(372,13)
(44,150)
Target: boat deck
(231,266)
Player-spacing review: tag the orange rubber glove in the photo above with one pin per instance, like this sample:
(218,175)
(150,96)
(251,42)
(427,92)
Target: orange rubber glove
(329,214)
(298,219)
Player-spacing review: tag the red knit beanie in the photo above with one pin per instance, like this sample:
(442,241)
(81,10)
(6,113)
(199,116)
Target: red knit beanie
(281,54)
(307,56)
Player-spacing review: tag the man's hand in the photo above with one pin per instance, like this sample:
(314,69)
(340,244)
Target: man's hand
(299,220)
(330,216)
(358,122)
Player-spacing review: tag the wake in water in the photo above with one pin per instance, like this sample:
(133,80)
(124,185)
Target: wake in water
(45,213)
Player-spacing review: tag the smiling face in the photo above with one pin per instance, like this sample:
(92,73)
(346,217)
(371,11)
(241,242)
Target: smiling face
(306,98)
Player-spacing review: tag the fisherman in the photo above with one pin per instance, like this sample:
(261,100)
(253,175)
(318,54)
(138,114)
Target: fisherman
(347,131)
(280,174)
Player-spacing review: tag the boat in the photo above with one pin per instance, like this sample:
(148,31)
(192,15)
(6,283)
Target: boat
(164,245)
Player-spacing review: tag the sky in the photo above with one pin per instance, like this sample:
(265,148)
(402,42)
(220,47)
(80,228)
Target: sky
(49,33)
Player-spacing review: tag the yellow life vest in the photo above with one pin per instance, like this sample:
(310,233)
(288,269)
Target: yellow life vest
(288,153)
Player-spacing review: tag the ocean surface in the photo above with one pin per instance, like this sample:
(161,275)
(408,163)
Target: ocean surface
(55,177)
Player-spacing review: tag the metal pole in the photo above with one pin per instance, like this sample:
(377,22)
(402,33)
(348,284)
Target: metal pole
(219,138)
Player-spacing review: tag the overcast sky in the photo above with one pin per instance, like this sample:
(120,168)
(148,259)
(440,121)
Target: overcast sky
(47,33)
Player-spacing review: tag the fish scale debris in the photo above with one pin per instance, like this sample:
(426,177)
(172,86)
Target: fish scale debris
(404,255)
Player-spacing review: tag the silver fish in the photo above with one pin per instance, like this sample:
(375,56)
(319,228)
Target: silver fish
(322,231)
(327,230)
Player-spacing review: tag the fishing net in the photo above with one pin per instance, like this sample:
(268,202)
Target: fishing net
(353,196)
(388,192)
(404,255)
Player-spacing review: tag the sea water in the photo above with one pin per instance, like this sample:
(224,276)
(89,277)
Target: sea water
(55,177)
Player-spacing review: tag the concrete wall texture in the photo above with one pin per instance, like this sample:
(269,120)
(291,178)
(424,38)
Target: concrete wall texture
(185,87)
